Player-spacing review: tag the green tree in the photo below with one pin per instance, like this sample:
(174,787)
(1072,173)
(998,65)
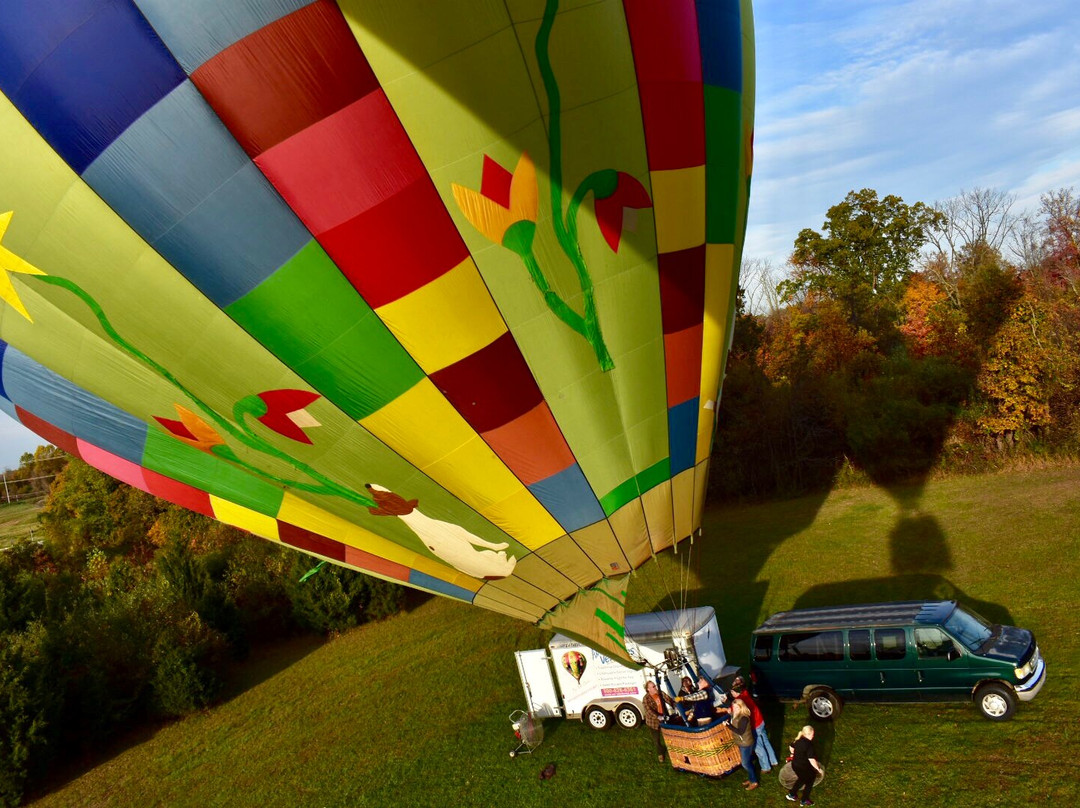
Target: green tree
(866,251)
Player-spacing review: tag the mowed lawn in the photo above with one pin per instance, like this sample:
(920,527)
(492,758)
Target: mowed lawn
(414,711)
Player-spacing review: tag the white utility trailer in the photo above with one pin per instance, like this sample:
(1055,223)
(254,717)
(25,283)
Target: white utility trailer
(568,679)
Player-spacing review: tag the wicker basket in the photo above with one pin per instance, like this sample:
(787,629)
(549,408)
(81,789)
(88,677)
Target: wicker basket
(709,750)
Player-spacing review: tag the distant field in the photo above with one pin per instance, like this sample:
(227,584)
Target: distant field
(413,711)
(17,521)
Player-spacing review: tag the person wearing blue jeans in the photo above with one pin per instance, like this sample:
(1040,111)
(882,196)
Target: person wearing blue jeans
(743,727)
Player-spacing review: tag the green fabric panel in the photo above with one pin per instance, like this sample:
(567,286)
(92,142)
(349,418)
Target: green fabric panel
(310,317)
(636,486)
(168,456)
(724,157)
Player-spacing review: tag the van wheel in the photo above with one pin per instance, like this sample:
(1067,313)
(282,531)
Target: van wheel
(996,702)
(824,704)
(597,718)
(627,716)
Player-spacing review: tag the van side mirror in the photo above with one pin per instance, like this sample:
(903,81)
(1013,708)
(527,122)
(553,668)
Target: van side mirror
(954,653)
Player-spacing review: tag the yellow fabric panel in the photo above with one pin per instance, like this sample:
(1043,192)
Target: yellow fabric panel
(719,264)
(656,503)
(599,542)
(244,518)
(497,601)
(303,514)
(682,499)
(566,555)
(633,531)
(538,572)
(530,596)
(701,480)
(446,320)
(449,451)
(679,206)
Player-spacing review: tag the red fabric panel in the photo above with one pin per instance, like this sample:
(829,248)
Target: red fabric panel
(286,76)
(664,37)
(398,246)
(57,437)
(344,165)
(682,353)
(491,387)
(123,470)
(372,563)
(674,118)
(312,542)
(682,288)
(532,445)
(182,494)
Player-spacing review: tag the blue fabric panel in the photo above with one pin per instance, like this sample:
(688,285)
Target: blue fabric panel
(225,246)
(8,409)
(682,434)
(54,399)
(720,33)
(103,68)
(184,184)
(440,586)
(568,497)
(3,353)
(197,30)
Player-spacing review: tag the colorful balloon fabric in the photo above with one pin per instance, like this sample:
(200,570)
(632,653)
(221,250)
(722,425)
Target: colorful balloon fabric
(440,292)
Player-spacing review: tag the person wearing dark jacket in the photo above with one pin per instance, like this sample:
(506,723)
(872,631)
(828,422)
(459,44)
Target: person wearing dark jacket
(742,725)
(805,764)
(654,714)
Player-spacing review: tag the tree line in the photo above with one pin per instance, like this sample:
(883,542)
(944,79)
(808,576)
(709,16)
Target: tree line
(131,610)
(905,339)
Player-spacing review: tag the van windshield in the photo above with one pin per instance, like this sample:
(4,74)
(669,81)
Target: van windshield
(969,628)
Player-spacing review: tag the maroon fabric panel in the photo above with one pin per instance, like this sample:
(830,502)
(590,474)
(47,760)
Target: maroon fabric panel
(397,246)
(664,36)
(57,437)
(674,117)
(312,542)
(682,288)
(491,387)
(282,78)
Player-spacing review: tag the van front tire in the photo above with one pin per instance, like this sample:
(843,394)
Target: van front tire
(996,702)
(824,704)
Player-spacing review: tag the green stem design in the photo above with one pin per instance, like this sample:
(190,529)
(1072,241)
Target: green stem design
(565,223)
(244,434)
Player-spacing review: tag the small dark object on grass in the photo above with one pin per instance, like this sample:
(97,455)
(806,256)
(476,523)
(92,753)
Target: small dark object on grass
(547,772)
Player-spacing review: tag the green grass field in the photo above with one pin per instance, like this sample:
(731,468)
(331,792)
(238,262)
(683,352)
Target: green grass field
(18,520)
(414,711)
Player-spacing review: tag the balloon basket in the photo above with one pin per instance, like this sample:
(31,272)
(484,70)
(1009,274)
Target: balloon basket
(709,750)
(528,730)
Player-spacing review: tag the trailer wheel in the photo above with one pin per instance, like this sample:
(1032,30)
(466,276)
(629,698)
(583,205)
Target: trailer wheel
(627,716)
(597,718)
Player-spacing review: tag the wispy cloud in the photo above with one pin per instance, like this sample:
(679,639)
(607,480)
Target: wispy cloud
(908,97)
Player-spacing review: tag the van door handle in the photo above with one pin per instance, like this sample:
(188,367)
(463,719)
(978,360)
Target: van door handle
(882,675)
(919,675)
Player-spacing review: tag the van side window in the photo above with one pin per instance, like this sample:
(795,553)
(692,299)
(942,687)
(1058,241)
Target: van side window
(890,643)
(817,646)
(859,643)
(932,643)
(763,647)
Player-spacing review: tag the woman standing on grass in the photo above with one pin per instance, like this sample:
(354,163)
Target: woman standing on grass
(805,764)
(743,726)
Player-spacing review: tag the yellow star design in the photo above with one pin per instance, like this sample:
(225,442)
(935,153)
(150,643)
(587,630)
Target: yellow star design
(10,262)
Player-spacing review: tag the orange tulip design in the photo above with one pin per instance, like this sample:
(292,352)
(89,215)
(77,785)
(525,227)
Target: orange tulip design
(504,200)
(192,430)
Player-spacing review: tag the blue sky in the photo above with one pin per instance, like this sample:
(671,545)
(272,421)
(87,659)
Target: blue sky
(919,98)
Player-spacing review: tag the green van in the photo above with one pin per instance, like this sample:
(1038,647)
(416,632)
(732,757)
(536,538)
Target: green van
(911,651)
